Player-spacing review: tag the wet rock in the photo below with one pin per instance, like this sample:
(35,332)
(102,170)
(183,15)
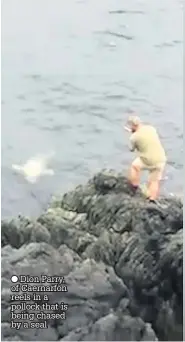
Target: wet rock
(121,257)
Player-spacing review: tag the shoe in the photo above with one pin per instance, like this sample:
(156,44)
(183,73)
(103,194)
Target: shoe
(134,188)
(152,201)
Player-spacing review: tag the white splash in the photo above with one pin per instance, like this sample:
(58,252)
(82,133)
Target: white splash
(35,167)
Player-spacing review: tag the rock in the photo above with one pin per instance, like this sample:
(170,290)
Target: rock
(121,258)
(22,230)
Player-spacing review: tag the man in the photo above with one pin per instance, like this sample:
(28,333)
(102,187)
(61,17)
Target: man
(151,156)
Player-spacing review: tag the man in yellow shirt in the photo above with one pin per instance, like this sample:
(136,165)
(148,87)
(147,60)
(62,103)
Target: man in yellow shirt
(151,156)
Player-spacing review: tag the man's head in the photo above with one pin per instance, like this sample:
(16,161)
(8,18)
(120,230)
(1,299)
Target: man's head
(134,123)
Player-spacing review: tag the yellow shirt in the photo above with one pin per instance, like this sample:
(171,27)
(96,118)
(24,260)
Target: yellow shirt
(147,143)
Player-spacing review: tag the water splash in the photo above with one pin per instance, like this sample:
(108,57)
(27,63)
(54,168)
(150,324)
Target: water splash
(35,167)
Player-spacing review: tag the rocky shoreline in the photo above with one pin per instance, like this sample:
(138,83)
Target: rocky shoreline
(121,257)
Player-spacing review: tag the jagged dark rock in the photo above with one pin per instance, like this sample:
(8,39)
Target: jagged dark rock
(122,259)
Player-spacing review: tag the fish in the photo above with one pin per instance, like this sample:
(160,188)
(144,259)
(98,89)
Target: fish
(34,168)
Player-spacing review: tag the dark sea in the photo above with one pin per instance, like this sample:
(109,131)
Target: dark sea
(71,71)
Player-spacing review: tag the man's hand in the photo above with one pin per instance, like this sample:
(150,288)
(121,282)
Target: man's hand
(131,148)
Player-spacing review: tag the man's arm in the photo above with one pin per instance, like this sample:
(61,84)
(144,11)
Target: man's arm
(132,146)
